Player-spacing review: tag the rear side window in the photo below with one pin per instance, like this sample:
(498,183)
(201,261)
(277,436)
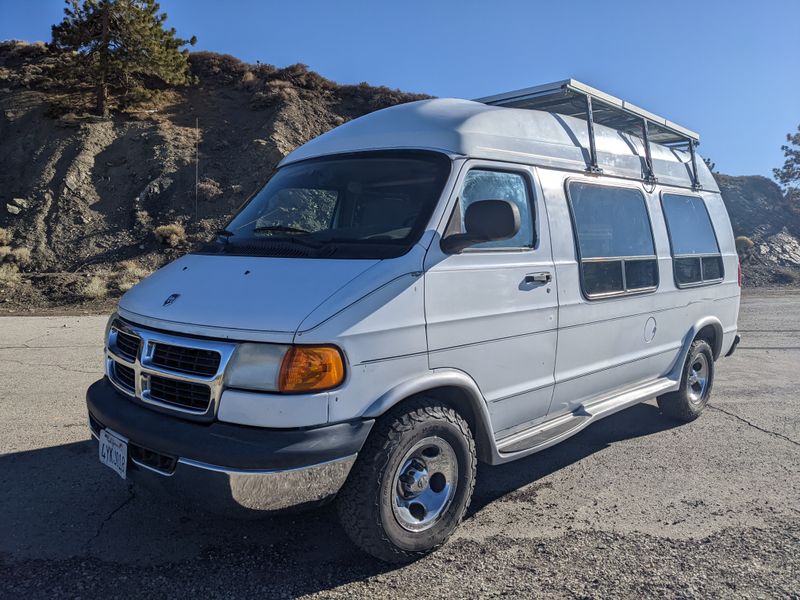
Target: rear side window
(696,257)
(480,184)
(614,240)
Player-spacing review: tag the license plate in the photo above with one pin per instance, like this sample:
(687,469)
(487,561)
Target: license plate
(114,452)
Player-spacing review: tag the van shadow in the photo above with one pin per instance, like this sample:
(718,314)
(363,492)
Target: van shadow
(494,482)
(61,506)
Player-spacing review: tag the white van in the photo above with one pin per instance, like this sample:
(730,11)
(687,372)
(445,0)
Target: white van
(429,286)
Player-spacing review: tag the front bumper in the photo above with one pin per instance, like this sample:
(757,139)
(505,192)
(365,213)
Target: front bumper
(223,467)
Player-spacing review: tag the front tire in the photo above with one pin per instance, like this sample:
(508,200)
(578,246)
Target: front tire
(697,379)
(411,484)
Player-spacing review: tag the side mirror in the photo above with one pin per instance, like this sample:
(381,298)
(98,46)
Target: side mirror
(484,221)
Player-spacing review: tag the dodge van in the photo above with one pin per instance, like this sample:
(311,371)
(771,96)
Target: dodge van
(427,287)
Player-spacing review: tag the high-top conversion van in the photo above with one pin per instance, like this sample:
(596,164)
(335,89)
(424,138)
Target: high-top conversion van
(425,287)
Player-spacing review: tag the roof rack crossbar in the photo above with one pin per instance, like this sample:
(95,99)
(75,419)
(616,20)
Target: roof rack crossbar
(576,99)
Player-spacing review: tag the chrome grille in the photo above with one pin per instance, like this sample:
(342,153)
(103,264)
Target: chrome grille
(170,373)
(128,345)
(125,375)
(194,396)
(193,361)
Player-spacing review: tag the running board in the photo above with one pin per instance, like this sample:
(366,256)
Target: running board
(547,434)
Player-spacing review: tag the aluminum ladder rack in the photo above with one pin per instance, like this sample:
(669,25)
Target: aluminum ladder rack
(576,99)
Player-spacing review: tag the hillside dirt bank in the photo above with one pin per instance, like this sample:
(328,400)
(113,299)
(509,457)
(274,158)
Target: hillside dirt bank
(89,206)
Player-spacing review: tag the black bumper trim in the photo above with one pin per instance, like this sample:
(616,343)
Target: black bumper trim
(223,444)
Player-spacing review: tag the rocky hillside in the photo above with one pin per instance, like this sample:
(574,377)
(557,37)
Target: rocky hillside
(768,228)
(88,206)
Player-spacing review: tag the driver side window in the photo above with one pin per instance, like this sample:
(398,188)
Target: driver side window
(482,184)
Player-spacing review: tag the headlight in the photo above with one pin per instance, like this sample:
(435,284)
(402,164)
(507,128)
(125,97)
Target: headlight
(290,369)
(255,367)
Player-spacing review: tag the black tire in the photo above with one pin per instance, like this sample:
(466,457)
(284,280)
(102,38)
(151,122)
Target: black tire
(689,401)
(366,503)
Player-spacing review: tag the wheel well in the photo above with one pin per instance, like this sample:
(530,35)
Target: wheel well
(710,335)
(460,400)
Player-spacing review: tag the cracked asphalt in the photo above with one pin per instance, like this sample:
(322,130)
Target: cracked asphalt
(633,506)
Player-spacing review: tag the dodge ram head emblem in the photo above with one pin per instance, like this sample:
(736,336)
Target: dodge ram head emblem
(171,299)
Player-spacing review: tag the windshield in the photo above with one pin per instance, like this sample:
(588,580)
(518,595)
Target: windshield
(366,205)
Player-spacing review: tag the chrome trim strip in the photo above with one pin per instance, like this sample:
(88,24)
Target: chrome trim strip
(151,469)
(231,470)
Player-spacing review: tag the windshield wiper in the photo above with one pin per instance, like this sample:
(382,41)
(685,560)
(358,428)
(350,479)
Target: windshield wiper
(280,229)
(225,235)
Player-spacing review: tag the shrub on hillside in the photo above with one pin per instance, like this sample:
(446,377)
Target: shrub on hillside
(9,274)
(208,189)
(172,234)
(130,274)
(95,288)
(222,68)
(5,237)
(744,246)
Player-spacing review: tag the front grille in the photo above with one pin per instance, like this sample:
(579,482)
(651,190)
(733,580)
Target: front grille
(125,376)
(152,459)
(180,393)
(193,361)
(128,345)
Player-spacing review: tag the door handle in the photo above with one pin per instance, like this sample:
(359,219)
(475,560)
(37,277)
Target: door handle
(540,277)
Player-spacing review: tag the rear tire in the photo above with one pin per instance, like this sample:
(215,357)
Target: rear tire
(411,484)
(697,379)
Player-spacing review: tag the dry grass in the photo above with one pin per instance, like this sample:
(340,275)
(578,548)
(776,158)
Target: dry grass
(9,274)
(130,274)
(22,256)
(208,189)
(173,234)
(5,236)
(249,81)
(5,253)
(95,289)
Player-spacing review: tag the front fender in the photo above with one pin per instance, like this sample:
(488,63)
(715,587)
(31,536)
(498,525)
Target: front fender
(464,395)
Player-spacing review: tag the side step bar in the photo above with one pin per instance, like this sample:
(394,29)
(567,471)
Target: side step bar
(547,434)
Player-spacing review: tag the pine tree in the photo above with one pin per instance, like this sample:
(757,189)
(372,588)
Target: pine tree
(789,174)
(117,45)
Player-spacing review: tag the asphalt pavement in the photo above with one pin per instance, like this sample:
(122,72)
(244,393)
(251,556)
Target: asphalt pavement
(635,505)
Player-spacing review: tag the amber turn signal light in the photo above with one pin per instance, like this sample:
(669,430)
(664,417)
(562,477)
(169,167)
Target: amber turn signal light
(311,369)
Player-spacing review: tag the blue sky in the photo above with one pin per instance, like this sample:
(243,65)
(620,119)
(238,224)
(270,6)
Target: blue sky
(729,69)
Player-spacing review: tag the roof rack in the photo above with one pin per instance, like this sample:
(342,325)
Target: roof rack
(576,99)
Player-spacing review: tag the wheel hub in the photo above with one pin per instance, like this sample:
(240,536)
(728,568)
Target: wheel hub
(425,484)
(697,380)
(415,479)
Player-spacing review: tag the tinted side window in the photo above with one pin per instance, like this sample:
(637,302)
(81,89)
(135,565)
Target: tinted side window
(696,257)
(481,184)
(614,239)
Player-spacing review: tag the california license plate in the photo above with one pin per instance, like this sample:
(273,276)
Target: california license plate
(114,452)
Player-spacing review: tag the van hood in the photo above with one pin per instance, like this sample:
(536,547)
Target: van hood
(263,294)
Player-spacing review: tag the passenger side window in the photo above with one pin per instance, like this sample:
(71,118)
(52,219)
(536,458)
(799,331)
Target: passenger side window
(480,184)
(696,258)
(614,240)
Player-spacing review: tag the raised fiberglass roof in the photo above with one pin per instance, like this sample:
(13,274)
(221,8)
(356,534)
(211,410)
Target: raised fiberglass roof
(478,130)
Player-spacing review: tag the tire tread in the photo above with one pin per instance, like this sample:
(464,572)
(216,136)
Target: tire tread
(359,513)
